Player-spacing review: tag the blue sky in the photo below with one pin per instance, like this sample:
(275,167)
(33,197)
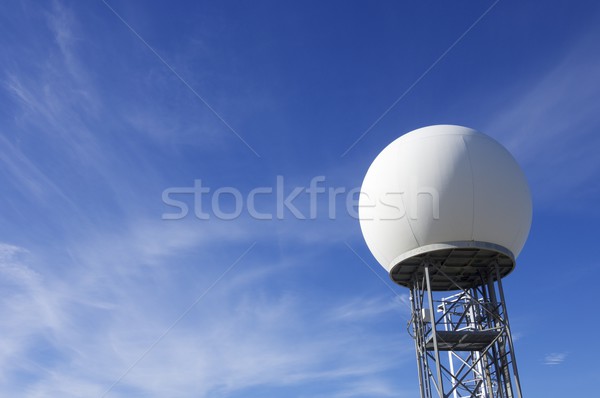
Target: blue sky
(104,105)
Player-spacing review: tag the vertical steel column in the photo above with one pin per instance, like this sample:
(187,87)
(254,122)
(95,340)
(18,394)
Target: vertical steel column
(448,327)
(491,357)
(504,372)
(488,387)
(417,332)
(474,310)
(440,384)
(509,335)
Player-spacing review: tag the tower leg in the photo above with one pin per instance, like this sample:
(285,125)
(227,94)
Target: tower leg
(438,365)
(417,348)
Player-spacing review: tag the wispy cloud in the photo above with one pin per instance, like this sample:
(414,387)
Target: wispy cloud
(370,388)
(33,309)
(555,358)
(361,309)
(70,132)
(237,339)
(551,125)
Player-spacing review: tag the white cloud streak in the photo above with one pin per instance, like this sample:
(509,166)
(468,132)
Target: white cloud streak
(551,125)
(236,339)
(555,358)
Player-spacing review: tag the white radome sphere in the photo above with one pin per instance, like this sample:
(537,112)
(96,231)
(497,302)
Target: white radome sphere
(442,184)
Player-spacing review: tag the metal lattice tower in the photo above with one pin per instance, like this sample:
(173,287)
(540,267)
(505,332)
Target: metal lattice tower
(463,341)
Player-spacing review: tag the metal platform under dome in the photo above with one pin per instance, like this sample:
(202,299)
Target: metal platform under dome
(466,263)
(463,340)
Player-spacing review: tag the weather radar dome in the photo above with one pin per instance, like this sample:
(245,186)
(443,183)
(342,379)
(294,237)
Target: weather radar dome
(450,196)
